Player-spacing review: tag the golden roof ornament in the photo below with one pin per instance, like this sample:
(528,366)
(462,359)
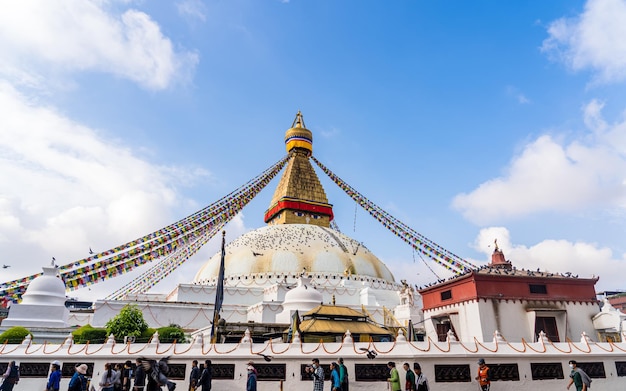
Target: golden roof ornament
(298,137)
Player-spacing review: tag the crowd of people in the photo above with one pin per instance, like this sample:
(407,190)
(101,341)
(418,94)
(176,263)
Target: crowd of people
(151,375)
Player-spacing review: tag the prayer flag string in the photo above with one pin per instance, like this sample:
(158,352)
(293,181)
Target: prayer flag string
(418,241)
(169,242)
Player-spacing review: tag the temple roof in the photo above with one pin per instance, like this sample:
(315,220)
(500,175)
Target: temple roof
(333,311)
(336,319)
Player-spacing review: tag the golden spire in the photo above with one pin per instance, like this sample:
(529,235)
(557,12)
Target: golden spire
(299,197)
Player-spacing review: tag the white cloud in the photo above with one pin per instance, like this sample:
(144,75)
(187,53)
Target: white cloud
(519,96)
(556,256)
(554,175)
(329,132)
(55,37)
(592,40)
(66,188)
(192,8)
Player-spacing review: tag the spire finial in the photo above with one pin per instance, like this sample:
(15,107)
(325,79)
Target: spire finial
(298,122)
(495,242)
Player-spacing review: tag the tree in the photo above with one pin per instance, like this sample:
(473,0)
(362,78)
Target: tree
(129,322)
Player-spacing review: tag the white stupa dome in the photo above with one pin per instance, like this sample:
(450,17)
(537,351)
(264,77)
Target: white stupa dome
(48,288)
(285,249)
(303,298)
(303,294)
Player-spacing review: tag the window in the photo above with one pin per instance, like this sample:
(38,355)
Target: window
(546,370)
(446,295)
(371,372)
(620,366)
(548,326)
(504,372)
(271,372)
(539,289)
(595,370)
(442,330)
(221,371)
(452,373)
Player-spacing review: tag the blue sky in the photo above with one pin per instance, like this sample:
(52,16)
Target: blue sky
(468,121)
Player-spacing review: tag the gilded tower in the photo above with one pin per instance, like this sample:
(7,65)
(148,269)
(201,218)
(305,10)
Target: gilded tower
(299,197)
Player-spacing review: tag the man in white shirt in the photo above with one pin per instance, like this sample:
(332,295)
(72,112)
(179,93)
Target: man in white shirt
(421,383)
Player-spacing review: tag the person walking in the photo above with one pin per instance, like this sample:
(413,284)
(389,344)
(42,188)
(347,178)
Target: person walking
(54,379)
(421,383)
(127,374)
(117,381)
(78,382)
(317,374)
(343,376)
(206,376)
(410,378)
(484,375)
(335,384)
(160,371)
(578,377)
(252,377)
(10,377)
(107,381)
(139,376)
(194,375)
(394,377)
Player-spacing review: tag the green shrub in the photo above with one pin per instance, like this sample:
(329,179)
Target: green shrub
(129,322)
(94,335)
(78,333)
(171,333)
(146,335)
(15,335)
(88,333)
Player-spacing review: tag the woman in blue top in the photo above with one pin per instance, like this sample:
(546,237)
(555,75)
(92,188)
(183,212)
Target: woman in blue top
(55,377)
(335,384)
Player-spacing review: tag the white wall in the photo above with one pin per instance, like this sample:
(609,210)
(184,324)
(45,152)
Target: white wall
(428,354)
(515,318)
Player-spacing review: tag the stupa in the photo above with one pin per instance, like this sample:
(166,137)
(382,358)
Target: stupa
(296,261)
(43,304)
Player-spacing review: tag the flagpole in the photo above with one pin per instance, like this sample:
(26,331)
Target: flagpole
(219,292)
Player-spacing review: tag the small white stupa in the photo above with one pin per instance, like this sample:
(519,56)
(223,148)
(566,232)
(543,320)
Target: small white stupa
(302,298)
(43,303)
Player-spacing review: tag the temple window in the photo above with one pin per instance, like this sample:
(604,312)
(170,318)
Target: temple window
(539,289)
(547,324)
(442,329)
